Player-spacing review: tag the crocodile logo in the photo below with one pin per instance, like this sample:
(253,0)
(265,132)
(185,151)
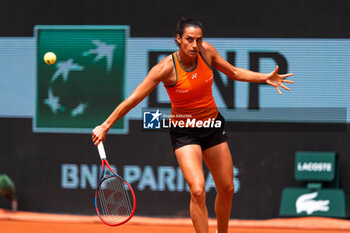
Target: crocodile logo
(307,203)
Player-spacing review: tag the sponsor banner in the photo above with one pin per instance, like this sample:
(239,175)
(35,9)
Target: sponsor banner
(142,178)
(86,81)
(315,166)
(313,62)
(306,202)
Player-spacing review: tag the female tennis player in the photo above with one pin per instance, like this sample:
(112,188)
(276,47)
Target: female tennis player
(188,77)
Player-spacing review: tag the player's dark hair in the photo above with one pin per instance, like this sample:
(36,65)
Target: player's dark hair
(187,22)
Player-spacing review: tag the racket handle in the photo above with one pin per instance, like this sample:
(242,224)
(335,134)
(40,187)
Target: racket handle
(101,151)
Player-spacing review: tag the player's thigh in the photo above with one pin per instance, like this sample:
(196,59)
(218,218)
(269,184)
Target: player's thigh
(190,160)
(219,161)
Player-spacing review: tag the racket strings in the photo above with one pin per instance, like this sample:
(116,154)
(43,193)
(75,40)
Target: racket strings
(114,200)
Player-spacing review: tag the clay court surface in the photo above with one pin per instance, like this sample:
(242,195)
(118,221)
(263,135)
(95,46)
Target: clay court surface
(28,222)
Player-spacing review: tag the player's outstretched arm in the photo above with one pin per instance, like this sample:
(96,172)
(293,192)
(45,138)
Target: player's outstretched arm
(240,74)
(156,75)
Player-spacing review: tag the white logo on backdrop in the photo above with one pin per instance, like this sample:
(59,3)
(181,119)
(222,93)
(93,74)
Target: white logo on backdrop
(102,50)
(307,203)
(63,69)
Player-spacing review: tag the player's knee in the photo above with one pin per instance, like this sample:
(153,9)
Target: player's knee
(198,195)
(227,190)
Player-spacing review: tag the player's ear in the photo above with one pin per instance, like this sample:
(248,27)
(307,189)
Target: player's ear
(178,39)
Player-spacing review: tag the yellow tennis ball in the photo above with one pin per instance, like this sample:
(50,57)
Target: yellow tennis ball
(50,58)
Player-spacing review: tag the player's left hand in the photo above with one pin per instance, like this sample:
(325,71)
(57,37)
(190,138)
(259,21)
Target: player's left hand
(277,80)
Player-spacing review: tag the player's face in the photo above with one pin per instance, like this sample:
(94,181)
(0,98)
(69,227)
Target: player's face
(191,41)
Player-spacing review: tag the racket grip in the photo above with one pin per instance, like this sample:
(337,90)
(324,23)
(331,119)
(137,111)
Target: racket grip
(101,151)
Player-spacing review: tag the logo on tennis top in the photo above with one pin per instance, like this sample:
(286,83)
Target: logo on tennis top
(194,75)
(151,119)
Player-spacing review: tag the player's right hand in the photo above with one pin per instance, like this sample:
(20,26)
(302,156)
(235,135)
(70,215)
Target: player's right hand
(99,134)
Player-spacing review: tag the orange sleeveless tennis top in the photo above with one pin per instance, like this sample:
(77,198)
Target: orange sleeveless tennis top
(191,95)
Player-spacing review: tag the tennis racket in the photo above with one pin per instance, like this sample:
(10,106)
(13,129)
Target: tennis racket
(115,200)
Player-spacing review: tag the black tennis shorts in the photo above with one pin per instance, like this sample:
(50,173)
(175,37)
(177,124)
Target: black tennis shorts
(205,137)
